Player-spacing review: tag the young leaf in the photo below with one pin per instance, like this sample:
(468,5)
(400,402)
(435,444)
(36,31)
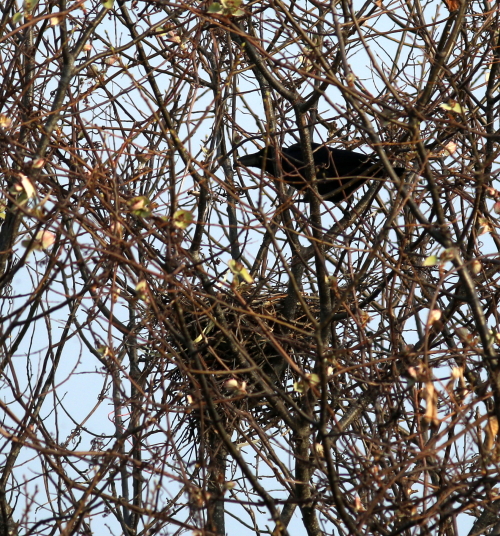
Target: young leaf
(238,269)
(452,106)
(183,219)
(432,260)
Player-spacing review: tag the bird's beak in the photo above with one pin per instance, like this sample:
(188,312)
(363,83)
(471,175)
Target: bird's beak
(249,160)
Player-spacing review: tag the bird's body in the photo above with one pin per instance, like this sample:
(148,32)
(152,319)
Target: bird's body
(338,172)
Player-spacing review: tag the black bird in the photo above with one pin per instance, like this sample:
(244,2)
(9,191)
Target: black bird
(339,172)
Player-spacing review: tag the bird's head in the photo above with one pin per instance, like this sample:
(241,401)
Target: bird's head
(263,159)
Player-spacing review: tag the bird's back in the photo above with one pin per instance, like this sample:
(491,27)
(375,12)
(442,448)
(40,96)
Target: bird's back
(329,162)
(338,172)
